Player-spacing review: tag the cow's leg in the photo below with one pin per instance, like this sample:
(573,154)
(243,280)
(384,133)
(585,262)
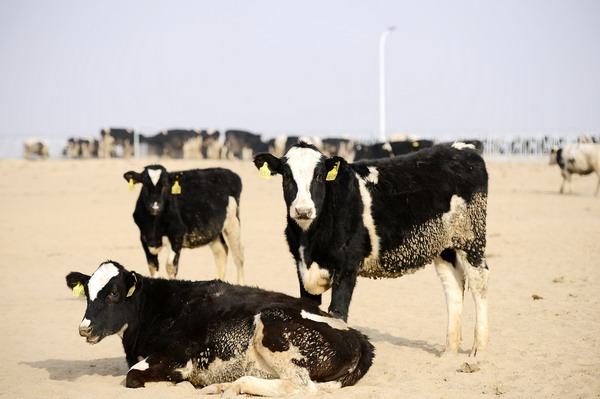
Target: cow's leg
(477,279)
(452,278)
(232,235)
(219,249)
(174,249)
(342,288)
(266,347)
(304,293)
(151,257)
(158,367)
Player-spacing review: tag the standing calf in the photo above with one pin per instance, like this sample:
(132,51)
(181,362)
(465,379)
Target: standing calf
(386,218)
(219,336)
(190,209)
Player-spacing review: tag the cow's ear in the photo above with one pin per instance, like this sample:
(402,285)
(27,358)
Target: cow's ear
(133,177)
(76,281)
(267,164)
(131,280)
(335,166)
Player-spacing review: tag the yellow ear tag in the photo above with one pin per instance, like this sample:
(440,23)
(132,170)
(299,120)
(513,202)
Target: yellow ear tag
(78,290)
(130,292)
(415,144)
(131,185)
(176,189)
(264,171)
(332,174)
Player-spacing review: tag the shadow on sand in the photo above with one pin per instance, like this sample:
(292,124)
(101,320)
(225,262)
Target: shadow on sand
(377,336)
(71,370)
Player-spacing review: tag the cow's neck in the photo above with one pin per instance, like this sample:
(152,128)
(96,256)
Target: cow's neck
(341,214)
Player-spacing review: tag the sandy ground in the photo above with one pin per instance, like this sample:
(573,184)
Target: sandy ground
(59,216)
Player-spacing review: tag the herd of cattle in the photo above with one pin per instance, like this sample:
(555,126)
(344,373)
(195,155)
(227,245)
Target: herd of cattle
(373,218)
(208,144)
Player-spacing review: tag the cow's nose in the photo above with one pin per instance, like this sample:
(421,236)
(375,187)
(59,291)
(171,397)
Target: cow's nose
(85,331)
(303,213)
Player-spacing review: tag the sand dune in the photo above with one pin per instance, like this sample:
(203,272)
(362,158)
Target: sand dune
(60,216)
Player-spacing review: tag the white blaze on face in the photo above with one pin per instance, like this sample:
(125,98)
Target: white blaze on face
(154,175)
(302,163)
(100,278)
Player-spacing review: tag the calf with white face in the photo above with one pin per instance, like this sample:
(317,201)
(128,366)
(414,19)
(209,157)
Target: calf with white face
(188,209)
(386,218)
(219,336)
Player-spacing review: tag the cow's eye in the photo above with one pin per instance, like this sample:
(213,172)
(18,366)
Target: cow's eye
(113,295)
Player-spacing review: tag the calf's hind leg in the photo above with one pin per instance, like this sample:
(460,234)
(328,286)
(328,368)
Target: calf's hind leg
(477,278)
(232,235)
(219,249)
(452,277)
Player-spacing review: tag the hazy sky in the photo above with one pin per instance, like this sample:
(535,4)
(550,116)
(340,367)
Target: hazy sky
(298,67)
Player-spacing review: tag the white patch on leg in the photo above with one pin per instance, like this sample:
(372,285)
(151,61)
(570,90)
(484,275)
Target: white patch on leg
(332,322)
(231,233)
(141,366)
(314,279)
(100,278)
(452,281)
(154,175)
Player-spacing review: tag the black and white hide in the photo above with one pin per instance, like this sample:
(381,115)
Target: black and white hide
(189,209)
(387,218)
(226,338)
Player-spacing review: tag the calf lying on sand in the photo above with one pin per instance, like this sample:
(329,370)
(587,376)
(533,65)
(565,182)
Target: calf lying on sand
(220,336)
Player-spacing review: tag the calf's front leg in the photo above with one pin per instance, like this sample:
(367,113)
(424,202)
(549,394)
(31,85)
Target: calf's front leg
(341,292)
(156,368)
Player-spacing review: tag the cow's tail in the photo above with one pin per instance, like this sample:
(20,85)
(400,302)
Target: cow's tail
(362,362)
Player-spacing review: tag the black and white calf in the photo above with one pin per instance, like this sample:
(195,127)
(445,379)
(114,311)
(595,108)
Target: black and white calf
(220,336)
(386,218)
(189,209)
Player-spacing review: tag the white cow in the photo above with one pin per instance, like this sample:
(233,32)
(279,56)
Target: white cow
(577,158)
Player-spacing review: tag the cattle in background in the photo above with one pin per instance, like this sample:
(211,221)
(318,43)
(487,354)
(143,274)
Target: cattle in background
(334,147)
(226,338)
(116,142)
(576,158)
(406,147)
(372,151)
(82,148)
(189,209)
(211,144)
(240,144)
(33,148)
(387,218)
(281,144)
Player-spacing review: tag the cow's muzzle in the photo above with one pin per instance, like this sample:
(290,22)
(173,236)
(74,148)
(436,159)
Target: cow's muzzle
(87,332)
(303,213)
(155,209)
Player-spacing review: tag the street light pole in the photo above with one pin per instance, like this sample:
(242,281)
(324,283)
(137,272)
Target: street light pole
(384,35)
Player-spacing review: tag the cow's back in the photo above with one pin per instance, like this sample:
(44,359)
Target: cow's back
(423,203)
(203,202)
